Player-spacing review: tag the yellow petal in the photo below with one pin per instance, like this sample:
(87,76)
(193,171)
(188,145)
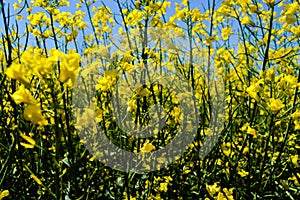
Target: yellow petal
(28,139)
(27,146)
(36,179)
(22,95)
(251,131)
(275,104)
(295,160)
(3,194)
(33,113)
(18,72)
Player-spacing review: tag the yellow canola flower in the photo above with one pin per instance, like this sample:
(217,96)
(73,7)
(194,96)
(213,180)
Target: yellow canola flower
(185,2)
(213,189)
(297,125)
(226,32)
(55,55)
(296,30)
(37,62)
(271,74)
(108,80)
(229,193)
(19,17)
(289,19)
(64,3)
(34,177)
(27,58)
(131,106)
(22,95)
(163,187)
(16,6)
(246,20)
(147,147)
(69,67)
(295,160)
(42,66)
(294,178)
(17,71)
(253,90)
(254,9)
(111,74)
(33,113)
(125,196)
(101,50)
(3,194)
(270,3)
(168,179)
(251,131)
(220,196)
(28,139)
(243,173)
(27,146)
(291,8)
(275,104)
(134,17)
(226,148)
(142,92)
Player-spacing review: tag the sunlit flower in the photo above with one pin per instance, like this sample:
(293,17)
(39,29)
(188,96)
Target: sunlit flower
(275,104)
(252,91)
(36,179)
(243,173)
(295,179)
(163,187)
(295,160)
(290,19)
(213,189)
(297,124)
(17,71)
(28,139)
(270,3)
(252,132)
(109,79)
(33,113)
(22,95)
(3,194)
(69,67)
(247,21)
(16,6)
(39,64)
(226,32)
(147,147)
(229,193)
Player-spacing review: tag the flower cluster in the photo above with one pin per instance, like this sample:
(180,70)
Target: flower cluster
(248,49)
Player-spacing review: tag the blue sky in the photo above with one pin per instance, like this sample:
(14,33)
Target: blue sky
(109,3)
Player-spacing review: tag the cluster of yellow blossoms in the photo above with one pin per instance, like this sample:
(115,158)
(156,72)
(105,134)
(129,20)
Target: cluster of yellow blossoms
(34,63)
(254,47)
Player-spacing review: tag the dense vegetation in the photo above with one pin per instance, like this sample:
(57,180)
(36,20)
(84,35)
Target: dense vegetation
(61,63)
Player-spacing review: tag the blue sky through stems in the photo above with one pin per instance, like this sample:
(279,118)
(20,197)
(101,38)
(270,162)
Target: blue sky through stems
(111,4)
